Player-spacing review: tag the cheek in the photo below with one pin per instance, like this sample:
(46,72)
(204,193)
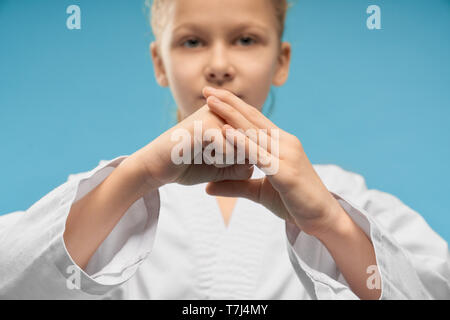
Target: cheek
(258,75)
(182,71)
(184,79)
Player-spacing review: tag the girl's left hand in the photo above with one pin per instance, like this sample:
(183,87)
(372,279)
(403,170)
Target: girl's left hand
(294,192)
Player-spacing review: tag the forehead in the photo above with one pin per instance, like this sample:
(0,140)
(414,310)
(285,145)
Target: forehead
(222,13)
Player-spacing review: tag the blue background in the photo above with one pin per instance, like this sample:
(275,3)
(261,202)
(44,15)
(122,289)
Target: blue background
(376,102)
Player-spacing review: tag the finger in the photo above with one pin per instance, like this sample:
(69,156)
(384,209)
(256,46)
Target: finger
(235,172)
(217,150)
(249,189)
(229,114)
(255,154)
(250,112)
(257,190)
(237,120)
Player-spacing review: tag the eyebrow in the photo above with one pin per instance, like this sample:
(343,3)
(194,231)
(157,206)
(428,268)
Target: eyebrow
(242,25)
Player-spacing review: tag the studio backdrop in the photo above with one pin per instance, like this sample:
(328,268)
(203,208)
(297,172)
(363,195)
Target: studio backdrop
(369,90)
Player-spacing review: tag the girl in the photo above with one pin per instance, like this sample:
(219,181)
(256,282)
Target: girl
(144,227)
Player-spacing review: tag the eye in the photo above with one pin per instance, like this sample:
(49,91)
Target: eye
(190,43)
(246,40)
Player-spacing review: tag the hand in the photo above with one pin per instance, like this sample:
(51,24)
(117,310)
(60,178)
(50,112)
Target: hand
(293,192)
(159,169)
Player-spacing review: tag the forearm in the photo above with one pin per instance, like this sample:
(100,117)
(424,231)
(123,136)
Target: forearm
(93,217)
(352,252)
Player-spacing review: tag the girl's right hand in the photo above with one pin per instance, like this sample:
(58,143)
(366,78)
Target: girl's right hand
(92,218)
(158,168)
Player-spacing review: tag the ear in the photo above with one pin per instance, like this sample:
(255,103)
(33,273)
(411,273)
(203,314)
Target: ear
(158,65)
(284,59)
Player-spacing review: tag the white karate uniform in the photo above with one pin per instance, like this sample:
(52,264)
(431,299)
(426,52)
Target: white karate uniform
(173,244)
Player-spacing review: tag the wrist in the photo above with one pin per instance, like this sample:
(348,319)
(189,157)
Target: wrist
(338,224)
(137,176)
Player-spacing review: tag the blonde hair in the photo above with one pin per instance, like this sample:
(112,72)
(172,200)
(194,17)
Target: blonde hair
(158,15)
(158,19)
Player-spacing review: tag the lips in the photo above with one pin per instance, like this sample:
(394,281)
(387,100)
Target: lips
(237,95)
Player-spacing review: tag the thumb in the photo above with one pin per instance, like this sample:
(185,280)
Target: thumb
(249,189)
(256,190)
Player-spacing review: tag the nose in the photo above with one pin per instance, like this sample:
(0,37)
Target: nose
(219,70)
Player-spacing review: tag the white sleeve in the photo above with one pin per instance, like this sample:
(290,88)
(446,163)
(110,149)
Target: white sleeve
(34,261)
(413,260)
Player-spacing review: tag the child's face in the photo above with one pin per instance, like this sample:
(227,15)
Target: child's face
(230,44)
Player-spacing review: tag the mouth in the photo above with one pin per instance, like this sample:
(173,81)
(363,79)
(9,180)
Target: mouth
(237,95)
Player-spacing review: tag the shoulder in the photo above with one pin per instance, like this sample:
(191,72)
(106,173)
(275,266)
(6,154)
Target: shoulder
(9,219)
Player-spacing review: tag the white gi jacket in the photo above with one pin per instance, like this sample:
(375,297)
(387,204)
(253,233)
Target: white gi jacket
(173,244)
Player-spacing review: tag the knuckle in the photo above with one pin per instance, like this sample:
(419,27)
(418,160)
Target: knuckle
(296,141)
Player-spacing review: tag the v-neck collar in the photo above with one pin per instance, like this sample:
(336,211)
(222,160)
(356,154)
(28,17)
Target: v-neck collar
(227,258)
(257,173)
(234,211)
